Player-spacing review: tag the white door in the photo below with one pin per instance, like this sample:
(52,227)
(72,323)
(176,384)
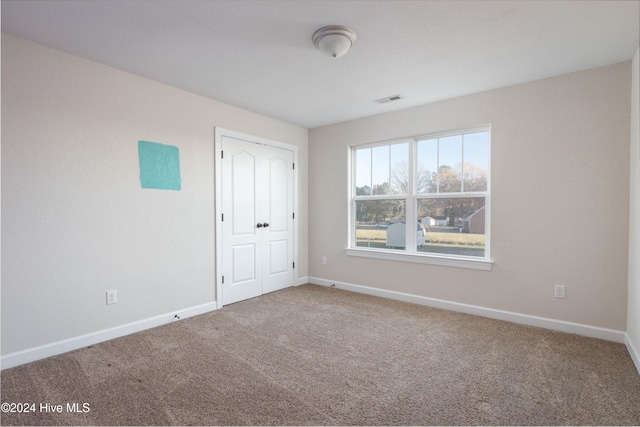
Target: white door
(257,226)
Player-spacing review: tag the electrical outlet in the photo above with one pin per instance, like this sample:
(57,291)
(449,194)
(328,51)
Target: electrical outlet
(324,260)
(559,291)
(112,297)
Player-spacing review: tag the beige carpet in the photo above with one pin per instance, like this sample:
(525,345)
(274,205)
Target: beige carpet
(317,356)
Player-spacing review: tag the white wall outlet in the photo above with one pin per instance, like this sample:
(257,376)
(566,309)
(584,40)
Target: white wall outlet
(324,260)
(112,297)
(559,291)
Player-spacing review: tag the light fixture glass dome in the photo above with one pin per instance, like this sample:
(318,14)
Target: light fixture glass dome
(334,40)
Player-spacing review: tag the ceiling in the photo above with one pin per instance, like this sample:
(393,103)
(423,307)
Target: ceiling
(258,54)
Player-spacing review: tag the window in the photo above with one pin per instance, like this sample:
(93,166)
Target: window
(438,183)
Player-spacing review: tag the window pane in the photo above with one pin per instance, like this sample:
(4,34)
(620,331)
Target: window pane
(399,168)
(476,161)
(453,226)
(363,172)
(380,170)
(427,166)
(450,164)
(374,218)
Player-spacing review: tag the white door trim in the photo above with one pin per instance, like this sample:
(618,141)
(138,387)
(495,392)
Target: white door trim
(219,134)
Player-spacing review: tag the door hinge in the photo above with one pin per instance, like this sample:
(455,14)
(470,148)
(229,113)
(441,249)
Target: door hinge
(222,154)
(222,217)
(294,265)
(223,280)
(294,165)
(293,215)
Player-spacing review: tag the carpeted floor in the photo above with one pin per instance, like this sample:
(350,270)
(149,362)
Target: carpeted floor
(316,356)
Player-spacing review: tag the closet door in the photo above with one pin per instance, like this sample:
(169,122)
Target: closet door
(257,229)
(277,237)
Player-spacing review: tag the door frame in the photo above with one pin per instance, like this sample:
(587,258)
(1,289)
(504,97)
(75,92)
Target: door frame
(219,133)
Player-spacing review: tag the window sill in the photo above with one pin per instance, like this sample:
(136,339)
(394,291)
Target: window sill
(447,261)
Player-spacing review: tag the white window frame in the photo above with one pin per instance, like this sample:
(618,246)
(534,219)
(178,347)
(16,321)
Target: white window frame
(410,253)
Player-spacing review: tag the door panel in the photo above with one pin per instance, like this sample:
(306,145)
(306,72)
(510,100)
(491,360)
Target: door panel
(243,190)
(278,258)
(244,261)
(279,172)
(257,235)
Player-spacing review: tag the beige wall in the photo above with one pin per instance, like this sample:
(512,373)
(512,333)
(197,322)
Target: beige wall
(560,204)
(633,316)
(75,220)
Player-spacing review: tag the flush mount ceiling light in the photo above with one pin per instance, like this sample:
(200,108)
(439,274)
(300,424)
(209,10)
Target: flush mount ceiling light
(334,40)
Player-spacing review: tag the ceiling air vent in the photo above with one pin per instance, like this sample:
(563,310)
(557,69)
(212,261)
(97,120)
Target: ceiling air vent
(389,99)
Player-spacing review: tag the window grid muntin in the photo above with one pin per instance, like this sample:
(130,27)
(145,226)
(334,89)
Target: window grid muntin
(412,196)
(355,149)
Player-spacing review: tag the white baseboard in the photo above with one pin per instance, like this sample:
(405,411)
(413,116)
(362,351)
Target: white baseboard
(48,350)
(633,351)
(32,354)
(524,319)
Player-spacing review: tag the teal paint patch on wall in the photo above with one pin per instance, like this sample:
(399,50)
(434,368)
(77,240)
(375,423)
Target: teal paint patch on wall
(159,166)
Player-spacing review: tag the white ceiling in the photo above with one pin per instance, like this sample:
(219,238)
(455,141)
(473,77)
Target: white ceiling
(258,54)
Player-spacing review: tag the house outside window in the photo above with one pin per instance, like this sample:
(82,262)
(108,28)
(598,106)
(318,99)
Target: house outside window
(437,183)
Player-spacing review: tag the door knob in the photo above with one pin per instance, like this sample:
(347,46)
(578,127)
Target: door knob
(259,225)
(265,225)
